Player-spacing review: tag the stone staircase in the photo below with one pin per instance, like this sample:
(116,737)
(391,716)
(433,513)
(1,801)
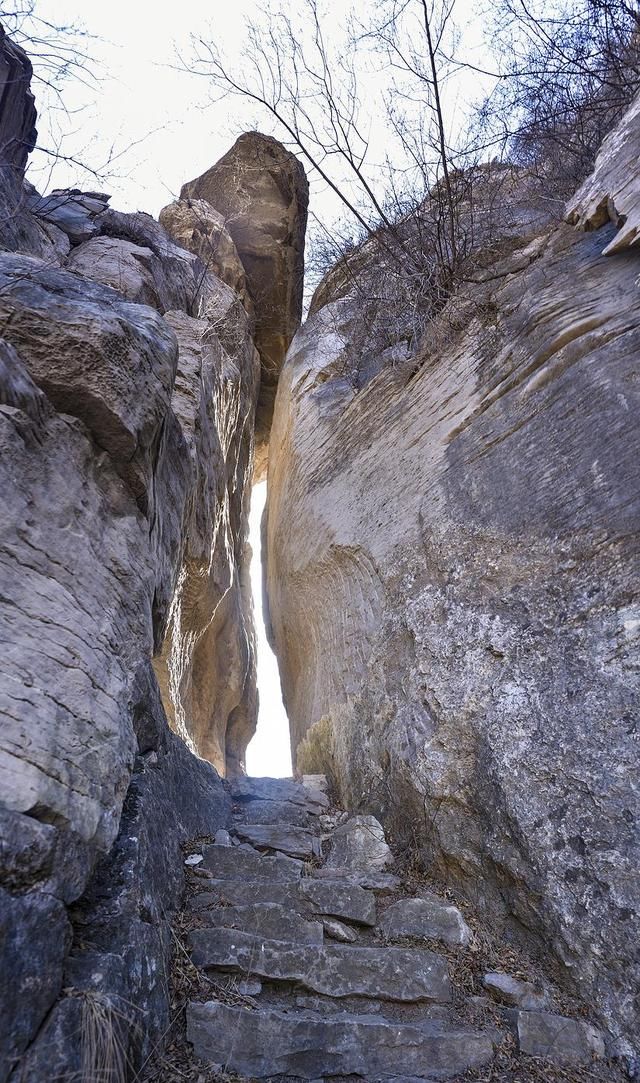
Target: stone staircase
(336,973)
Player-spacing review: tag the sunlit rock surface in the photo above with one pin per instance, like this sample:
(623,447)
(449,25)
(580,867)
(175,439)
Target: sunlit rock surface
(452,583)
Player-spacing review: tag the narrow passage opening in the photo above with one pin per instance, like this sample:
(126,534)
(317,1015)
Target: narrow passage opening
(269,752)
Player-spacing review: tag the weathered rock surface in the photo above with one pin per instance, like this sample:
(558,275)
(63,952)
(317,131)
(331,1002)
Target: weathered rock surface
(340,899)
(451,549)
(17,106)
(239,863)
(556,1038)
(307,896)
(510,990)
(358,846)
(262,1044)
(270,812)
(335,971)
(261,190)
(278,789)
(195,225)
(612,192)
(429,919)
(269,920)
(128,387)
(206,667)
(294,841)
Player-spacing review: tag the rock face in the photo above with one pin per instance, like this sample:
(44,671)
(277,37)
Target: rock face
(261,191)
(128,387)
(17,106)
(452,553)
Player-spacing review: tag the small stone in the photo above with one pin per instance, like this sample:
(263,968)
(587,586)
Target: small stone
(509,990)
(428,919)
(222,838)
(337,931)
(249,988)
(557,1038)
(194,859)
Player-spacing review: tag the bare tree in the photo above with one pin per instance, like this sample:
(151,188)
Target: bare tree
(566,70)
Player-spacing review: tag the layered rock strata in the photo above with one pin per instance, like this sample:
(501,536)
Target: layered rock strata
(452,545)
(128,387)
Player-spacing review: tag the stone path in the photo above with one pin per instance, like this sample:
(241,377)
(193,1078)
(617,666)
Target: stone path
(340,974)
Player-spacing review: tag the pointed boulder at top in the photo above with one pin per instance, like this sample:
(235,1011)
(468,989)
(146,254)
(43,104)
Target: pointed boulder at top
(261,190)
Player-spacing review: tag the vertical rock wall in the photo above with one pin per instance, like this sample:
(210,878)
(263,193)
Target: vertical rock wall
(128,388)
(452,547)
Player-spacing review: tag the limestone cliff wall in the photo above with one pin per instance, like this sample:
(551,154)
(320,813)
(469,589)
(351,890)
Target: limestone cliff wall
(452,578)
(128,388)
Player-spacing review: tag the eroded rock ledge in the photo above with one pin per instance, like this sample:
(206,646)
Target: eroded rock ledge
(452,544)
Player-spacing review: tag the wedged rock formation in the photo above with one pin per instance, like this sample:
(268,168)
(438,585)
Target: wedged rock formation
(261,191)
(452,582)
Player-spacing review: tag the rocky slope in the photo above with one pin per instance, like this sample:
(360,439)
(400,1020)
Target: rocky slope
(452,577)
(129,381)
(304,956)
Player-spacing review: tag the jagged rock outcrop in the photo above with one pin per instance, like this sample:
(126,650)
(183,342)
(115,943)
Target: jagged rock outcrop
(261,190)
(452,550)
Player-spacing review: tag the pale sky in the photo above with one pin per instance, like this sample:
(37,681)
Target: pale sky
(269,752)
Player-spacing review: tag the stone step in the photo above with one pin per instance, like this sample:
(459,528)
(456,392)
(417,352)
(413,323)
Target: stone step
(384,973)
(339,900)
(427,918)
(270,920)
(384,882)
(278,789)
(305,896)
(272,812)
(262,1044)
(294,841)
(238,863)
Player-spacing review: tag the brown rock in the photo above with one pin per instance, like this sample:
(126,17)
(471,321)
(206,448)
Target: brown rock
(261,190)
(197,226)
